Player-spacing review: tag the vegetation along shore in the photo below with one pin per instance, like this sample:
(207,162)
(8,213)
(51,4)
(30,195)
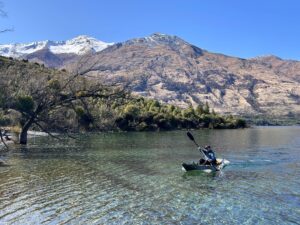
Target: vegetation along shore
(34,97)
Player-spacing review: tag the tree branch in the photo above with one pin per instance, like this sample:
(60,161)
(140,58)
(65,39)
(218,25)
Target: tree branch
(2,12)
(7,30)
(44,130)
(2,139)
(50,134)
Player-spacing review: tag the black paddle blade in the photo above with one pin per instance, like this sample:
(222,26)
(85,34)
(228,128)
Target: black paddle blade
(190,136)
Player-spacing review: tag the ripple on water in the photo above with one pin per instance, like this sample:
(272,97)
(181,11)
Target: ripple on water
(125,179)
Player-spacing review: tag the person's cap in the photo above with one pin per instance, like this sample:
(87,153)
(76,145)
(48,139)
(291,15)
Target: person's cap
(207,146)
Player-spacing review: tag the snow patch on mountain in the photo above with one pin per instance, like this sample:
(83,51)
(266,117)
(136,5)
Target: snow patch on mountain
(78,45)
(18,50)
(157,39)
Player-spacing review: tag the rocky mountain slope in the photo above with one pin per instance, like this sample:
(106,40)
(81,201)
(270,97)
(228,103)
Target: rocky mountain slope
(171,70)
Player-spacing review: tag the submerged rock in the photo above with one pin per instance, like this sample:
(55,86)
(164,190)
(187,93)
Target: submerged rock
(3,164)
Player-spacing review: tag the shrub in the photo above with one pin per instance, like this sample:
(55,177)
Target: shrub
(25,103)
(4,120)
(131,110)
(54,84)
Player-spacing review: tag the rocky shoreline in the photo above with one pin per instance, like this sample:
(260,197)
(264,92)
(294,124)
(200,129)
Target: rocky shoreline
(12,137)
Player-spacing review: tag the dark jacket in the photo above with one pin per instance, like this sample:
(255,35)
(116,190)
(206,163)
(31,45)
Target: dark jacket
(211,157)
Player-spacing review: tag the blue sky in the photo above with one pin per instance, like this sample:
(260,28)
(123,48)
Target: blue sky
(233,27)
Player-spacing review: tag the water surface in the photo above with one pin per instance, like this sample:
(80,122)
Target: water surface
(136,178)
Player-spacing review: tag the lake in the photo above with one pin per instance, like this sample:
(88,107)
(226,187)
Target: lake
(136,178)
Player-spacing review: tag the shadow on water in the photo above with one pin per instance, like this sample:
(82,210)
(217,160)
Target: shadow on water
(203,175)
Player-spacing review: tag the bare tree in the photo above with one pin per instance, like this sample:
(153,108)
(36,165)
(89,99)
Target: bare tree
(39,93)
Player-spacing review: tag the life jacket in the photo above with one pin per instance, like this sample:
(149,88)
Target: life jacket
(210,155)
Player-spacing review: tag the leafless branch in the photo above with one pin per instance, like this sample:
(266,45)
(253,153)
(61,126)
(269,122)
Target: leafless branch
(78,72)
(2,12)
(45,130)
(7,30)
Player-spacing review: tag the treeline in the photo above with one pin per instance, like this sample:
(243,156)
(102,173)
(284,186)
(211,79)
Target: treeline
(35,97)
(148,115)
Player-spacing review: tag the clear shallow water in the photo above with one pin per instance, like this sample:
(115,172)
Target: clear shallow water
(136,178)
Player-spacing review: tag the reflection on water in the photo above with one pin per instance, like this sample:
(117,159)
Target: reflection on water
(136,178)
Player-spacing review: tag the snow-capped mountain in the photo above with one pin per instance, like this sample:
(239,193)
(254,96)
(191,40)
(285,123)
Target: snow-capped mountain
(171,70)
(157,39)
(78,45)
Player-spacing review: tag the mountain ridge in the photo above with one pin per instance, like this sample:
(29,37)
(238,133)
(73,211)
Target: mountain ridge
(78,45)
(4,48)
(171,70)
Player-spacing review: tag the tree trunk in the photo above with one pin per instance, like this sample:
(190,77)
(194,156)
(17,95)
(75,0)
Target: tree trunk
(23,136)
(28,123)
(25,128)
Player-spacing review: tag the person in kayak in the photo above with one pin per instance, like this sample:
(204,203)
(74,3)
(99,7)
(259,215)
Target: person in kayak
(210,156)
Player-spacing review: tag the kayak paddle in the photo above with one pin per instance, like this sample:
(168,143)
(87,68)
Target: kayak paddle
(192,138)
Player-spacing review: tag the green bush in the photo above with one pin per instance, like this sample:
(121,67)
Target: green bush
(132,110)
(25,103)
(146,115)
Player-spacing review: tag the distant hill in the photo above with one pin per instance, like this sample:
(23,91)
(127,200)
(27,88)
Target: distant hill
(174,71)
